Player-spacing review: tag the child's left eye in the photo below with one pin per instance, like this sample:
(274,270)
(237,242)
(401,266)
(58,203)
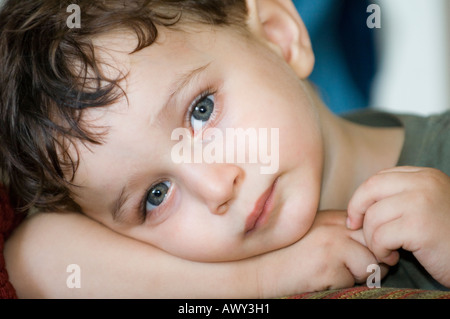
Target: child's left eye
(156,195)
(202,112)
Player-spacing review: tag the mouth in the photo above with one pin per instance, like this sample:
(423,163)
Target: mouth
(262,209)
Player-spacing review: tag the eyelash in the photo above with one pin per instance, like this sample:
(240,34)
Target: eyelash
(190,110)
(197,100)
(143,203)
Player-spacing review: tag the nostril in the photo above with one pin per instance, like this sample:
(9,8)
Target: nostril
(237,180)
(222,209)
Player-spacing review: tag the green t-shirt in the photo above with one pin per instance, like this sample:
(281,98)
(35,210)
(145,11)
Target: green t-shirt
(426,144)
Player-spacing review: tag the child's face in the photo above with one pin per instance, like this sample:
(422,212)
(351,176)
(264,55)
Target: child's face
(203,211)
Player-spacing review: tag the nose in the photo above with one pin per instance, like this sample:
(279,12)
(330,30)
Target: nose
(215,184)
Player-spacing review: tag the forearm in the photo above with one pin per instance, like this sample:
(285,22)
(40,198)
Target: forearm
(112,266)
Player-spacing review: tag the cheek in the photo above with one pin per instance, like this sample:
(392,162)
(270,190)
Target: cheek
(196,238)
(301,148)
(302,164)
(297,217)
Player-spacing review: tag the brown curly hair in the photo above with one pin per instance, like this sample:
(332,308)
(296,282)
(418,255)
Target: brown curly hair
(49,74)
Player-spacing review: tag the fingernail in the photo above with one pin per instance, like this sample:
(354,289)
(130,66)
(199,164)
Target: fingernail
(347,222)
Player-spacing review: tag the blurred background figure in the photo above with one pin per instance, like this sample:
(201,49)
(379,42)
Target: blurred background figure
(403,66)
(345,51)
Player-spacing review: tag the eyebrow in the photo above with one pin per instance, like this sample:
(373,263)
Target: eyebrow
(182,81)
(118,211)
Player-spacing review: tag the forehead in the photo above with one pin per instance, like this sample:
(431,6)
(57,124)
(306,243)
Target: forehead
(172,49)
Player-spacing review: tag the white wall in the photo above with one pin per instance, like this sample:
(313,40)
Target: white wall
(415,56)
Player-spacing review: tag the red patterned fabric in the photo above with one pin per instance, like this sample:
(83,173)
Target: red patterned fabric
(374,293)
(9,220)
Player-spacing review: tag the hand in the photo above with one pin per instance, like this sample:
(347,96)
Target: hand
(409,208)
(329,256)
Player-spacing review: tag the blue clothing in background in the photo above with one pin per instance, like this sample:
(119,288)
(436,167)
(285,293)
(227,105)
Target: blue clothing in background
(345,51)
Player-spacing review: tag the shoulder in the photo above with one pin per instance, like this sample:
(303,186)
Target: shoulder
(433,132)
(427,141)
(427,138)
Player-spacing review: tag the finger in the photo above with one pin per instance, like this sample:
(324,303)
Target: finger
(358,273)
(402,169)
(392,258)
(332,217)
(383,212)
(357,258)
(358,236)
(386,240)
(374,189)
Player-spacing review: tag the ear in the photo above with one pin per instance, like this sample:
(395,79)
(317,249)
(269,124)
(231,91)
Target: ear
(278,23)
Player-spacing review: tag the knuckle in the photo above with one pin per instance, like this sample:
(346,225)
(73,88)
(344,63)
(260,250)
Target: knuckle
(423,199)
(377,241)
(372,181)
(431,178)
(370,216)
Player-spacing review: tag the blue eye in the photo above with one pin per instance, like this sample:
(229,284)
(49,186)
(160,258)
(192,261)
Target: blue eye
(156,195)
(202,112)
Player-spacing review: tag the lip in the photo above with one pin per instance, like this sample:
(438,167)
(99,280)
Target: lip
(261,211)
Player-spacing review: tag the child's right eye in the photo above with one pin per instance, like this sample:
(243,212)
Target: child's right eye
(202,111)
